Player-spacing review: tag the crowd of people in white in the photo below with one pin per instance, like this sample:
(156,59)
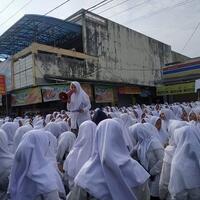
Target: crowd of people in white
(129,153)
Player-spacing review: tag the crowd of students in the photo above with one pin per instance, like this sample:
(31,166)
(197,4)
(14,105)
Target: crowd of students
(129,153)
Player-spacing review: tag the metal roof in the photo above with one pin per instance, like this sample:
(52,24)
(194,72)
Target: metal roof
(37,28)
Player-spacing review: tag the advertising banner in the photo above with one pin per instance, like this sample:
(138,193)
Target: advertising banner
(51,93)
(88,89)
(2,85)
(129,90)
(103,94)
(26,96)
(183,88)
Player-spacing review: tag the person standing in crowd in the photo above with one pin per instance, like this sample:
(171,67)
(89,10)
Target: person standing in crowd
(6,162)
(78,105)
(33,176)
(150,153)
(184,181)
(110,173)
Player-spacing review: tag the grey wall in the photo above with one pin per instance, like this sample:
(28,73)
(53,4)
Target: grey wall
(124,55)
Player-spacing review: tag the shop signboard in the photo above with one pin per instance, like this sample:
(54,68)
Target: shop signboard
(129,90)
(26,96)
(103,94)
(51,93)
(2,85)
(182,88)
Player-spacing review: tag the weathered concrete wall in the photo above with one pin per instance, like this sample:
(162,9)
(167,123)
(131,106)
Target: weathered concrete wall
(177,57)
(124,55)
(64,67)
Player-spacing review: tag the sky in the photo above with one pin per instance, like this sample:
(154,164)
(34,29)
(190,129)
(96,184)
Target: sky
(169,21)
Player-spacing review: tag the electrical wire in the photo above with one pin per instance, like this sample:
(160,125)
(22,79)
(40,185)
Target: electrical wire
(6,7)
(16,12)
(102,5)
(191,36)
(119,4)
(135,6)
(159,11)
(56,7)
(97,5)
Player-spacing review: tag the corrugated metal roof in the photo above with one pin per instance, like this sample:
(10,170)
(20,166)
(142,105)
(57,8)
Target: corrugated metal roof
(37,28)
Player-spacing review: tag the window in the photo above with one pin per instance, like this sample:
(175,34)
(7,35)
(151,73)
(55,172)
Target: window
(23,72)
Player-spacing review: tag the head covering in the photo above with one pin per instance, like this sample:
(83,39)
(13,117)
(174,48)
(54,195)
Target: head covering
(185,168)
(78,98)
(99,116)
(63,126)
(65,144)
(19,134)
(32,174)
(127,119)
(146,138)
(81,150)
(54,128)
(48,118)
(130,143)
(6,158)
(39,124)
(10,128)
(110,167)
(162,135)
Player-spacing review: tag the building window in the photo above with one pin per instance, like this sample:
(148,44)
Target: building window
(23,72)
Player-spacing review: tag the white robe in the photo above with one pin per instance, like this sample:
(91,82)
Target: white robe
(111,173)
(79,100)
(6,162)
(81,151)
(33,174)
(185,168)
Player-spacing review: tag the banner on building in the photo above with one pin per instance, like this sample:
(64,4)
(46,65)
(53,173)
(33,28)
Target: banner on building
(129,90)
(103,94)
(2,85)
(183,88)
(88,89)
(51,93)
(26,97)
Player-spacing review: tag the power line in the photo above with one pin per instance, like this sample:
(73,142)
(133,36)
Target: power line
(16,12)
(97,5)
(56,7)
(161,10)
(113,7)
(191,36)
(137,5)
(102,5)
(6,7)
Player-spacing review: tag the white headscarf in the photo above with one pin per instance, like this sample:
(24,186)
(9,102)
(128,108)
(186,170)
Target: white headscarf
(39,124)
(32,174)
(6,158)
(10,129)
(170,149)
(162,135)
(48,118)
(110,167)
(130,143)
(78,98)
(185,169)
(19,134)
(65,144)
(54,128)
(145,138)
(81,150)
(63,126)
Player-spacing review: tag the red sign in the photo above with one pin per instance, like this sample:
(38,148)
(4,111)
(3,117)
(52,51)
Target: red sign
(2,85)
(129,90)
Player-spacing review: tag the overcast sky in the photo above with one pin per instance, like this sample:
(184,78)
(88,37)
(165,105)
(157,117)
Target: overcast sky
(170,21)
